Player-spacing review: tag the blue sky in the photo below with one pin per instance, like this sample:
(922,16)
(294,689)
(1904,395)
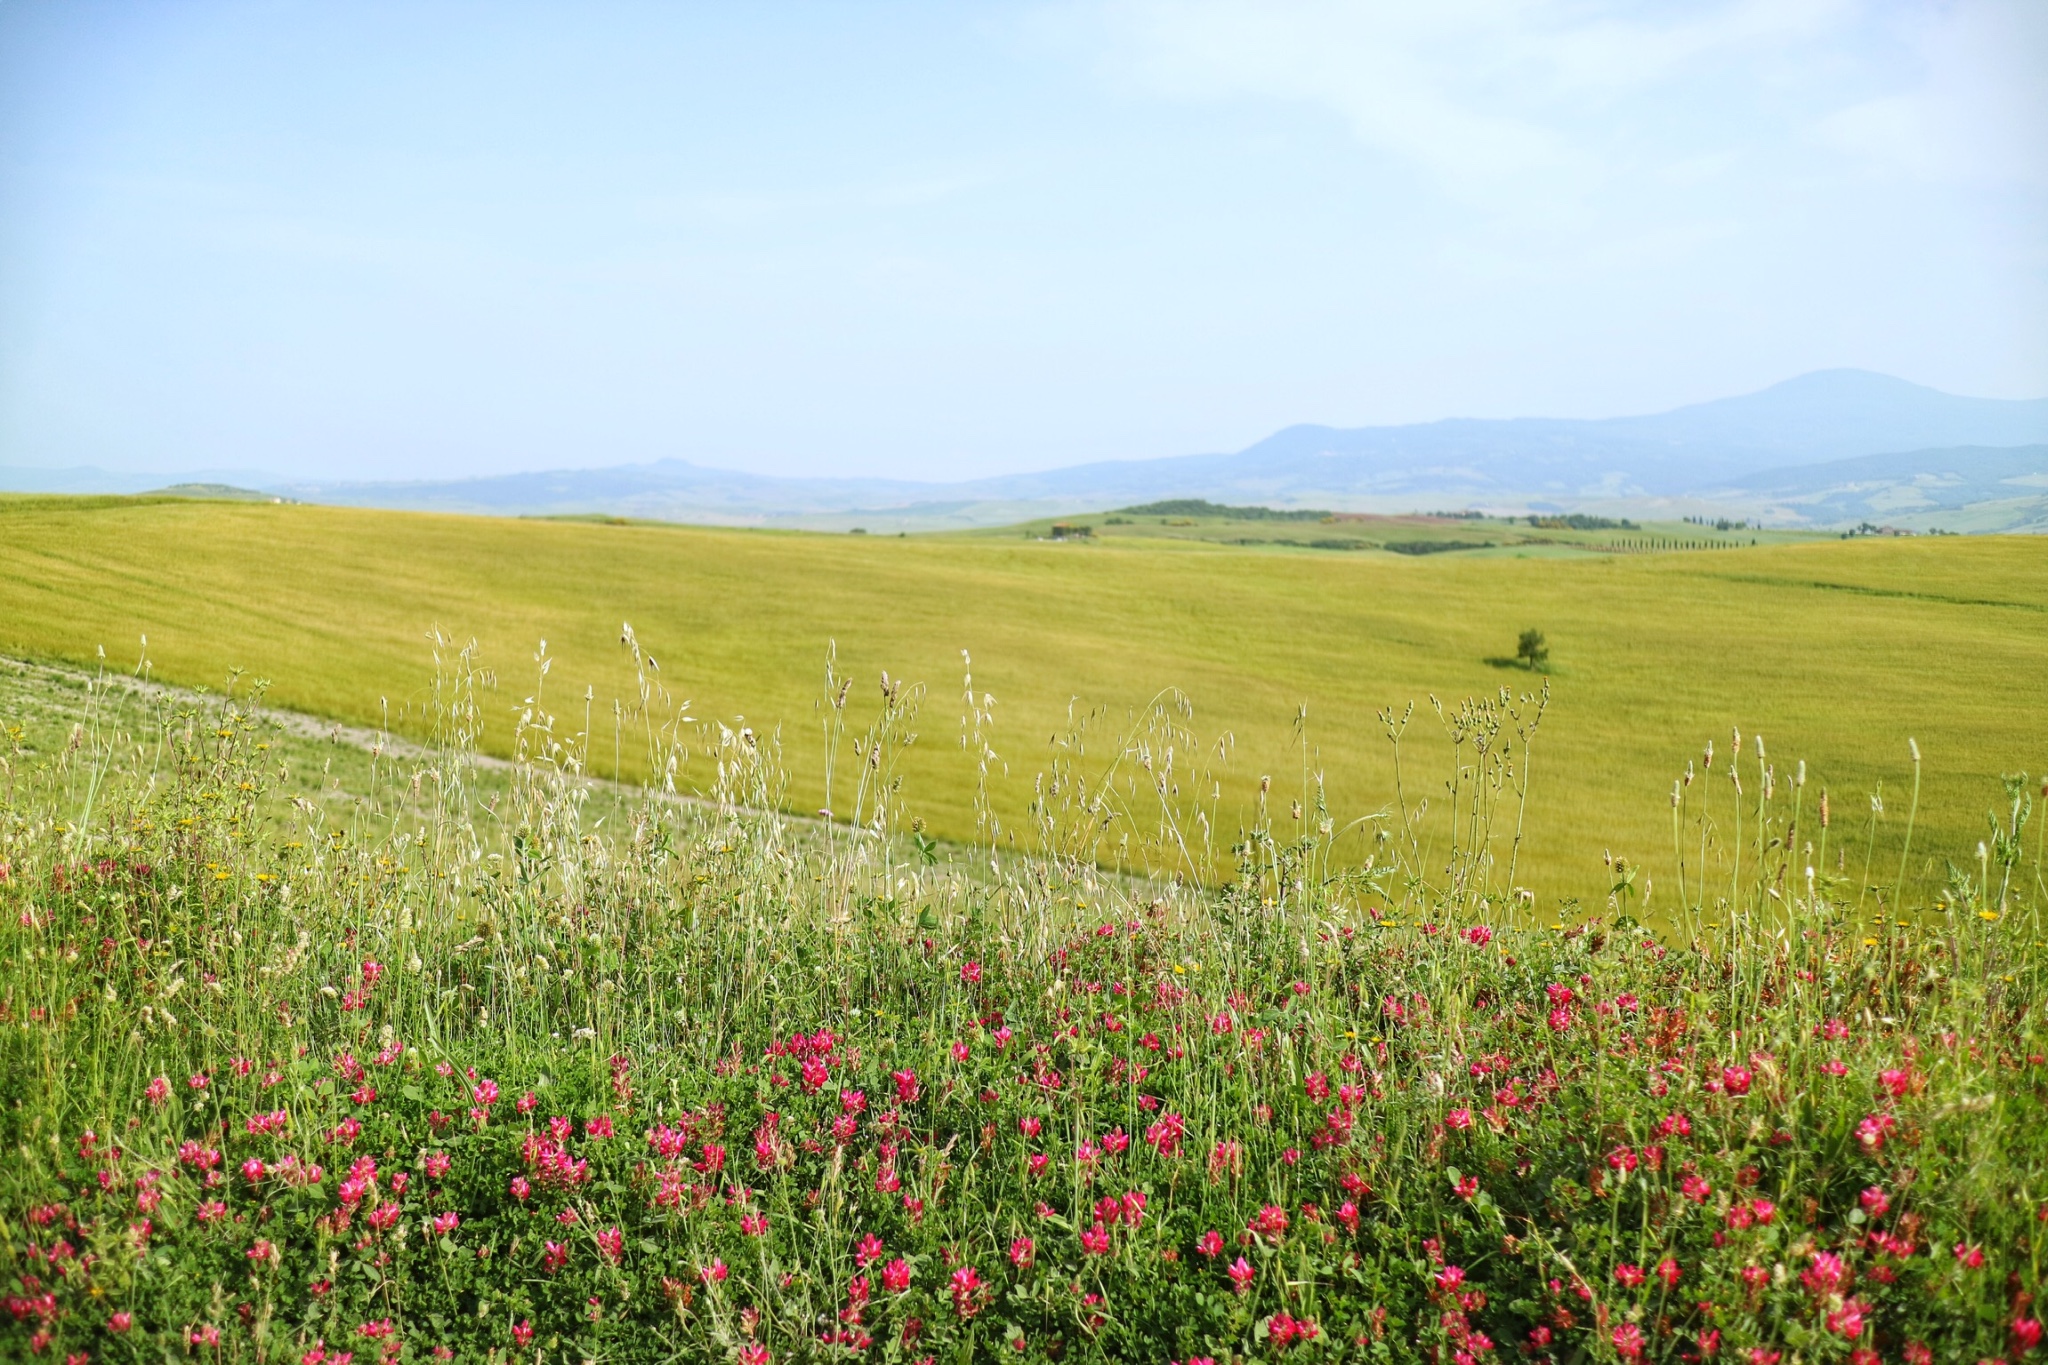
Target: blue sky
(928,240)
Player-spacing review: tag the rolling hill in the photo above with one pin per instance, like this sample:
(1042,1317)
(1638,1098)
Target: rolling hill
(1973,488)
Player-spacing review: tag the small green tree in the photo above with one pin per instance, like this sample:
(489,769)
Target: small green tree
(1532,650)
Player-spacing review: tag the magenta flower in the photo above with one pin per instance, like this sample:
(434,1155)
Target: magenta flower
(1241,1275)
(967,1291)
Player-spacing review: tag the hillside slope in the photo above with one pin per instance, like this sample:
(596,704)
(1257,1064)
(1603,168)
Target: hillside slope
(1828,649)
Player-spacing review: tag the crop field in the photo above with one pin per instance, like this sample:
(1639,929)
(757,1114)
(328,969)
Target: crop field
(1470,533)
(1234,663)
(317,1047)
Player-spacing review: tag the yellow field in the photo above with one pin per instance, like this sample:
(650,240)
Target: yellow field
(1835,651)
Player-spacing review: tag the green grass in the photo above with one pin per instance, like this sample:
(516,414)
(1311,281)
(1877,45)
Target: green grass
(1834,651)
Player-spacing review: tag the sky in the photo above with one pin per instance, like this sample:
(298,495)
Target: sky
(933,241)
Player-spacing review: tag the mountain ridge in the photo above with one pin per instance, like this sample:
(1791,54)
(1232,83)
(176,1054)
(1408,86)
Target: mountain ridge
(1702,450)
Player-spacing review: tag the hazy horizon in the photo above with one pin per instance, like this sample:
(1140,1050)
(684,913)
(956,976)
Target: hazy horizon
(918,242)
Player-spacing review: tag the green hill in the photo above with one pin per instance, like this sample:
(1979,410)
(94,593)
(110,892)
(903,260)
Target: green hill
(1835,651)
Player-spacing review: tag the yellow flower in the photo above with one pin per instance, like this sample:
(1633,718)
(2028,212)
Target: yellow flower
(1870,943)
(1988,916)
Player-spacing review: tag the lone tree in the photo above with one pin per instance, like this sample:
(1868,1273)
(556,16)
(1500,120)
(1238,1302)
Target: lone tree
(1532,650)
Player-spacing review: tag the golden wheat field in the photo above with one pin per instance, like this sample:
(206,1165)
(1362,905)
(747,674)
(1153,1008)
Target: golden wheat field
(1834,652)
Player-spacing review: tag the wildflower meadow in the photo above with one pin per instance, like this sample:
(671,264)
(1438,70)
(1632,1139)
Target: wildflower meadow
(494,1062)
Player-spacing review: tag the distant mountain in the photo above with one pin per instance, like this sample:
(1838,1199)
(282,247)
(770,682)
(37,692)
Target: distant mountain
(1716,452)
(1829,415)
(1820,417)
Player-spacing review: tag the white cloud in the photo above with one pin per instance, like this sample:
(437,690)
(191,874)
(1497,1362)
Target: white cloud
(1978,112)
(1522,102)
(1531,108)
